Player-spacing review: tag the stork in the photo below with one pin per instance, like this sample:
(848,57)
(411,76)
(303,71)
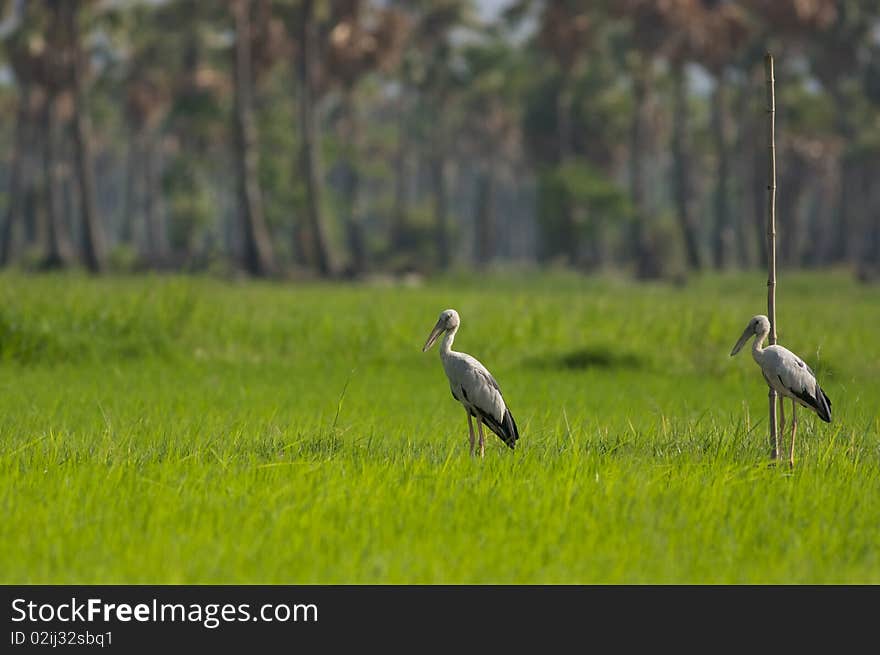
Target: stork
(472,385)
(788,374)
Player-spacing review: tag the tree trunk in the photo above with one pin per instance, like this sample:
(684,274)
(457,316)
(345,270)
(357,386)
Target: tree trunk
(309,154)
(354,227)
(564,139)
(869,264)
(759,191)
(258,257)
(15,193)
(131,200)
(815,224)
(647,265)
(564,130)
(485,215)
(722,238)
(32,214)
(399,228)
(789,218)
(840,250)
(681,167)
(155,238)
(59,253)
(740,155)
(93,237)
(840,247)
(441,207)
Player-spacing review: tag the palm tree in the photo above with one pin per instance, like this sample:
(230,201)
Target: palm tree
(69,14)
(23,60)
(725,31)
(197,132)
(258,256)
(310,161)
(490,131)
(836,34)
(437,85)
(683,29)
(832,33)
(52,51)
(147,102)
(565,31)
(149,68)
(681,165)
(647,34)
(359,42)
(16,162)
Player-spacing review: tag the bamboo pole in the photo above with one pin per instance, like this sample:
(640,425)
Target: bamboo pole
(771,235)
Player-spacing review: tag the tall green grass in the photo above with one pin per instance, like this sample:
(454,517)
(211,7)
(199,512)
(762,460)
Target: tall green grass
(171,430)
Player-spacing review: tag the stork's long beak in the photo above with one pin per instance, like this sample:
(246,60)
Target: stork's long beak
(742,340)
(436,332)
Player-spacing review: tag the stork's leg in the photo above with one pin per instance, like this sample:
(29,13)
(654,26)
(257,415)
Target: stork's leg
(471,431)
(793,432)
(482,441)
(782,418)
(774,433)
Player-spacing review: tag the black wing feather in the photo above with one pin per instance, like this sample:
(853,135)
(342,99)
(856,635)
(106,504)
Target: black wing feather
(506,430)
(821,403)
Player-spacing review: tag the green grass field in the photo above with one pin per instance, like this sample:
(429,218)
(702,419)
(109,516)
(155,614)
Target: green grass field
(177,430)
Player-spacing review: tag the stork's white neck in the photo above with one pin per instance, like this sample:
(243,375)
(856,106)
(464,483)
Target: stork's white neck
(758,345)
(446,344)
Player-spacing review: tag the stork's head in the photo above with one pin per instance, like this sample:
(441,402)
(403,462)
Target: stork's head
(448,321)
(759,324)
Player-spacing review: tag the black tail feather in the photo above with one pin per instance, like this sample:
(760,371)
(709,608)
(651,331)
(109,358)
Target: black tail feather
(506,430)
(823,405)
(512,430)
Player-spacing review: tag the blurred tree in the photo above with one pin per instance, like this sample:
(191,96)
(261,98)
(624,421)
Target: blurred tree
(146,104)
(23,49)
(197,134)
(361,39)
(411,243)
(833,35)
(565,32)
(436,76)
(306,28)
(70,69)
(837,34)
(681,48)
(490,129)
(713,35)
(680,149)
(534,117)
(258,256)
(723,28)
(55,78)
(147,87)
(15,193)
(647,34)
